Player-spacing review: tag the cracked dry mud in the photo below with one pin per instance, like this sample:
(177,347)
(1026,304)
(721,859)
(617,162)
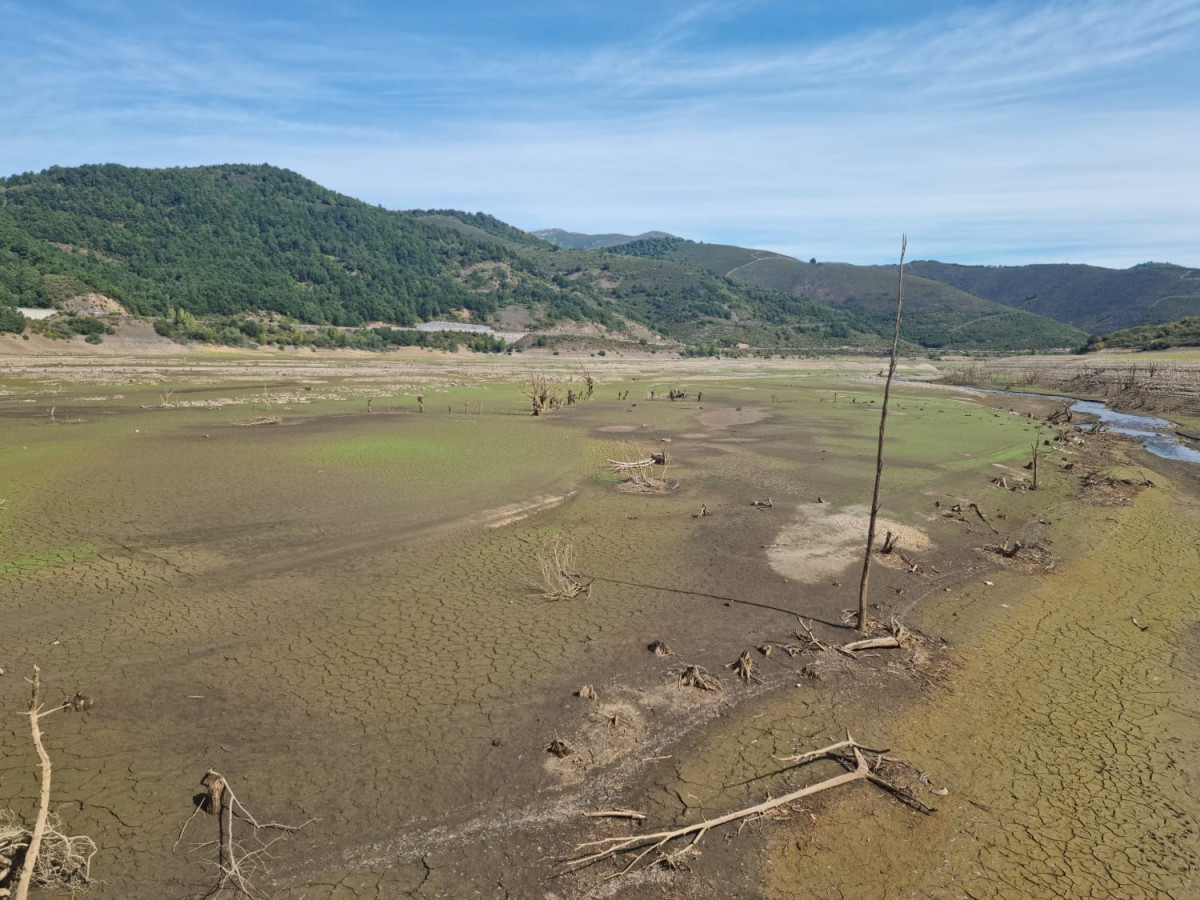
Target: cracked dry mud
(336,614)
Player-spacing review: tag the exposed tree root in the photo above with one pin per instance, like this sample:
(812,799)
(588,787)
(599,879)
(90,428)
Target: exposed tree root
(862,765)
(697,677)
(63,861)
(743,668)
(48,857)
(559,748)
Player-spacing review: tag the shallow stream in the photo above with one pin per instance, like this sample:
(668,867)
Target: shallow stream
(1157,435)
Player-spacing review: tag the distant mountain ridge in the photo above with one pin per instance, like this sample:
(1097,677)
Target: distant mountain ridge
(936,315)
(1091,298)
(574,240)
(1096,299)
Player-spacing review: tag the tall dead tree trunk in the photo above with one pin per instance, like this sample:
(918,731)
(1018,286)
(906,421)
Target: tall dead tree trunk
(887,390)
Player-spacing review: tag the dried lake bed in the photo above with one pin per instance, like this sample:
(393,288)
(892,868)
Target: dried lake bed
(253,569)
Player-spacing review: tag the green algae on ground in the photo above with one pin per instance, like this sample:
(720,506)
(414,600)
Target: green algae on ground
(26,565)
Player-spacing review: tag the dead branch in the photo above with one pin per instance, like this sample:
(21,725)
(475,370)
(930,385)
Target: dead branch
(658,458)
(887,391)
(860,768)
(238,867)
(812,642)
(982,517)
(616,814)
(895,639)
(39,825)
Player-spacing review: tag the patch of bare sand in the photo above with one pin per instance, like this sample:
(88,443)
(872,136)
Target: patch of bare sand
(515,512)
(741,415)
(823,541)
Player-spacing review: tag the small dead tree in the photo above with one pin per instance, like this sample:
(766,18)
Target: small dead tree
(588,379)
(540,392)
(238,866)
(887,390)
(1036,449)
(559,580)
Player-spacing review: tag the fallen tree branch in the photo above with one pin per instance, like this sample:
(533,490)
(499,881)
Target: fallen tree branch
(983,518)
(39,825)
(616,814)
(861,770)
(890,641)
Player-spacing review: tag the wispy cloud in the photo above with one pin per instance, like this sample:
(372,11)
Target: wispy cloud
(1004,131)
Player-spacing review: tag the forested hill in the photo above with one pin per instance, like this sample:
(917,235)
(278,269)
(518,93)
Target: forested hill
(228,239)
(935,314)
(234,239)
(1093,298)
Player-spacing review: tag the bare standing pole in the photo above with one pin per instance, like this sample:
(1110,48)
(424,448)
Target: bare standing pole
(887,390)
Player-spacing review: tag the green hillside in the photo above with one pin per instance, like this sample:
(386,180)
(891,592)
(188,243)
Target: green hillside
(1183,332)
(1095,299)
(224,241)
(935,315)
(227,239)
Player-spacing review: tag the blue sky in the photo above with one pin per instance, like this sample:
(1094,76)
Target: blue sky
(990,132)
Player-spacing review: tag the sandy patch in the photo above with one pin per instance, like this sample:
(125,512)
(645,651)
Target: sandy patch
(722,418)
(619,429)
(515,512)
(823,541)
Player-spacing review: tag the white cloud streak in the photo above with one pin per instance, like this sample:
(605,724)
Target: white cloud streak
(1012,132)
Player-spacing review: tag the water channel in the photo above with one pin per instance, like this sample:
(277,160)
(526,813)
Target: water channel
(1156,435)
